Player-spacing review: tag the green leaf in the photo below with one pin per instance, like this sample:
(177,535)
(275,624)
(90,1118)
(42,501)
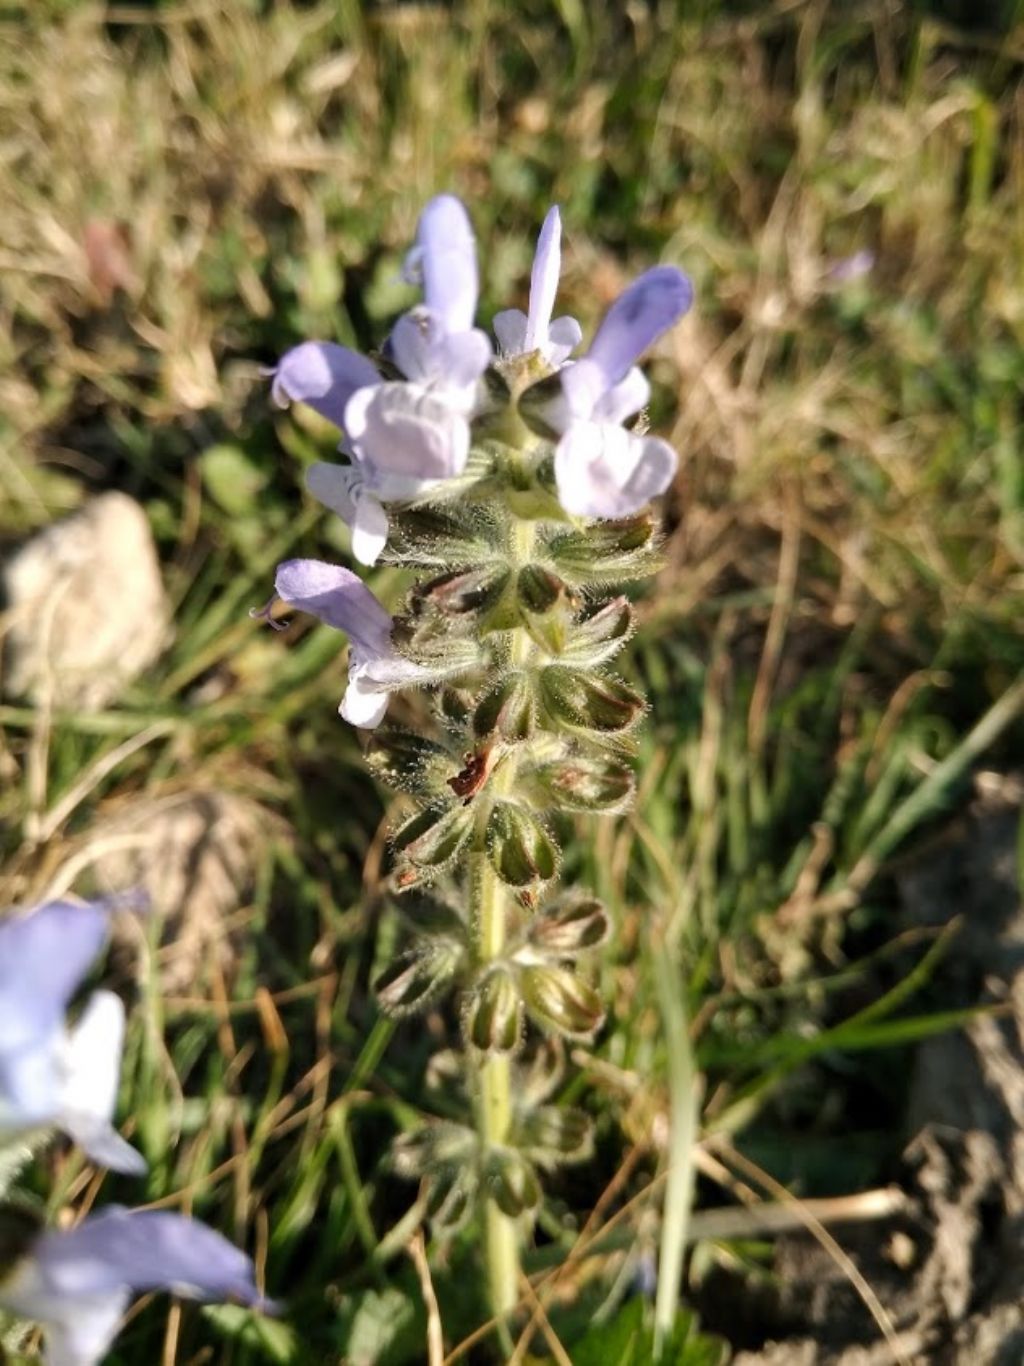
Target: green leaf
(625,1341)
(383,1327)
(274,1340)
(628,1340)
(231,479)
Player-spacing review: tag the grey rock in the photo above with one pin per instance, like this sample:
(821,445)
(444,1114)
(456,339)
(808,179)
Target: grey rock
(86,606)
(196,855)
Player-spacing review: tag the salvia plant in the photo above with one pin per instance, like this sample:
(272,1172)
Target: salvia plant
(513,482)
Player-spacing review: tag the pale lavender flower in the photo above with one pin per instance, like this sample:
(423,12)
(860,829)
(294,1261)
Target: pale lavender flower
(324,376)
(340,599)
(519,333)
(77,1283)
(52,1076)
(403,436)
(601,469)
(850,268)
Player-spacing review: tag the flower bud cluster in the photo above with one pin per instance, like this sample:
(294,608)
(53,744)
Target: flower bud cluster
(513,489)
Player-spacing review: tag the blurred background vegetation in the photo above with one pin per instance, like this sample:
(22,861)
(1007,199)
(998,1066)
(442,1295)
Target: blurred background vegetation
(187,189)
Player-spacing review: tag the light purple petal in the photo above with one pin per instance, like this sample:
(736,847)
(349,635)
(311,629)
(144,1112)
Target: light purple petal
(603,471)
(30,1083)
(332,485)
(414,341)
(851,268)
(322,375)
(509,327)
(564,335)
(44,955)
(405,437)
(119,1250)
(649,307)
(339,598)
(463,357)
(547,264)
(363,706)
(623,399)
(448,262)
(369,529)
(584,384)
(84,1336)
(444,361)
(91,1066)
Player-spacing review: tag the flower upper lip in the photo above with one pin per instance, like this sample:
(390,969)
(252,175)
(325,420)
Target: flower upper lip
(520,333)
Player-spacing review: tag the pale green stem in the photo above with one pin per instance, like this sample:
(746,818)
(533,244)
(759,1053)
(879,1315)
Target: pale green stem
(494,1110)
(488,918)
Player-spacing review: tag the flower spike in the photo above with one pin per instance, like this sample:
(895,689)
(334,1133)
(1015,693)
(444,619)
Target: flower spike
(515,495)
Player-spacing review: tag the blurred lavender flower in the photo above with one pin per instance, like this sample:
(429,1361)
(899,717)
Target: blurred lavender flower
(78,1283)
(601,469)
(850,268)
(519,333)
(341,599)
(50,1076)
(403,436)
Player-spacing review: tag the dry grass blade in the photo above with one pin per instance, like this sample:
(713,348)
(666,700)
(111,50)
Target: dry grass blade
(818,1231)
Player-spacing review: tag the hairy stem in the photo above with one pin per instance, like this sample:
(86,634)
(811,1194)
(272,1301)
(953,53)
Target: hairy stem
(494,1109)
(489,921)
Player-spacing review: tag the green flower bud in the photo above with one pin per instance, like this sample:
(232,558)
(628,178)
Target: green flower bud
(464,590)
(511,1182)
(541,1073)
(578,702)
(456,704)
(553,1135)
(493,1014)
(442,1143)
(418,977)
(407,762)
(507,711)
(606,552)
(434,836)
(559,1000)
(570,926)
(595,639)
(539,589)
(445,1156)
(519,847)
(451,1193)
(584,784)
